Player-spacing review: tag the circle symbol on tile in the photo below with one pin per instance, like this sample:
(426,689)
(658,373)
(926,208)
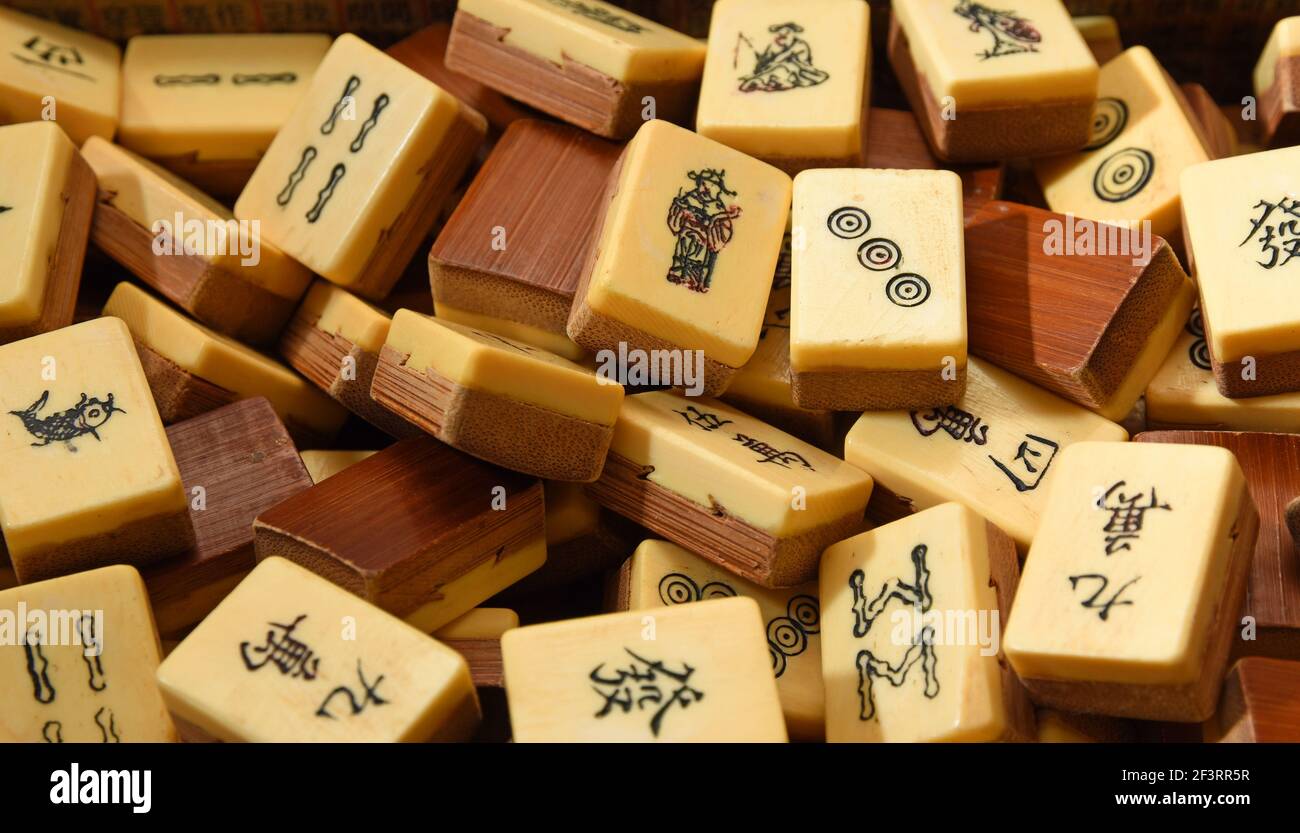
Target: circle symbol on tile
(1123,174)
(907,290)
(676,589)
(879,254)
(805,610)
(1108,120)
(848,222)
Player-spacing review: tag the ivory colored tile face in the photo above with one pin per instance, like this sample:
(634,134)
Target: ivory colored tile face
(706,676)
(1142,139)
(1130,567)
(552,342)
(503,401)
(276,661)
(338,312)
(352,157)
(213,96)
(1183,394)
(982,57)
(712,454)
(480,623)
(570,513)
(323,464)
(79,71)
(688,247)
(35,164)
(1101,33)
(911,631)
(660,573)
(879,282)
(788,80)
(1242,220)
(223,361)
(609,39)
(994,451)
(1283,43)
(88,477)
(766,377)
(487,362)
(156,200)
(87,676)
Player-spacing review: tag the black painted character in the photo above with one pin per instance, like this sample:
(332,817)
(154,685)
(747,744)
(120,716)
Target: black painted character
(88,415)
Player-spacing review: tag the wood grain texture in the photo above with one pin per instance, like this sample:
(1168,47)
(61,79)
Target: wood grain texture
(1004,577)
(320,357)
(1279,106)
(434,506)
(541,185)
(1271,463)
(981,134)
(484,658)
(507,432)
(713,532)
(1071,323)
(179,394)
(224,301)
(572,92)
(1261,702)
(895,140)
(424,51)
(243,459)
(63,272)
(137,543)
(1219,135)
(440,176)
(1275,373)
(875,390)
(1186,703)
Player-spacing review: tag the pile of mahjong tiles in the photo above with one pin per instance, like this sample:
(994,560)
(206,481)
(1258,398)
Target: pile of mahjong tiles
(723,407)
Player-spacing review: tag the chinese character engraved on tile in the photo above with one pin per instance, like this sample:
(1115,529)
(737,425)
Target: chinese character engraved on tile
(1127,515)
(956,423)
(369,694)
(1095,602)
(1033,456)
(290,655)
(641,685)
(704,420)
(1278,241)
(45,54)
